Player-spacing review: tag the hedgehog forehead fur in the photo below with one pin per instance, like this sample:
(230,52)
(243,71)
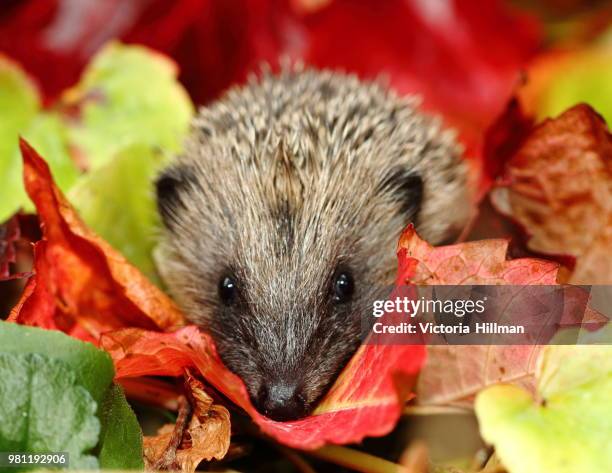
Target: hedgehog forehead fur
(282,182)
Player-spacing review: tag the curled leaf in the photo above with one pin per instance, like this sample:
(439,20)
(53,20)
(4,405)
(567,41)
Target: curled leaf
(82,285)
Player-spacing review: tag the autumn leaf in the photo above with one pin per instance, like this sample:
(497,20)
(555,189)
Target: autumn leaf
(366,399)
(454,374)
(470,69)
(128,95)
(479,262)
(121,122)
(558,184)
(19,102)
(463,58)
(205,436)
(118,203)
(501,141)
(565,427)
(82,285)
(566,76)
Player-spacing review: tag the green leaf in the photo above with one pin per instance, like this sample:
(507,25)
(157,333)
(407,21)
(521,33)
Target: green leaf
(19,103)
(92,367)
(83,366)
(44,410)
(118,203)
(128,95)
(121,437)
(567,428)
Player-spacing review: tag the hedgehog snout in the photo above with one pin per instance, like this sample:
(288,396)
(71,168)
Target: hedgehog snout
(281,400)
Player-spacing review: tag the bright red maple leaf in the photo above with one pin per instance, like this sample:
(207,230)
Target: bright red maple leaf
(454,374)
(476,262)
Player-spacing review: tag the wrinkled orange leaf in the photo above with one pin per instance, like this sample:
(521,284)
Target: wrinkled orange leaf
(82,285)
(558,186)
(206,437)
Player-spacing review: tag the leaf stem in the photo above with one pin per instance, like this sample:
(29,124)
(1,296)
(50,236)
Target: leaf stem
(356,460)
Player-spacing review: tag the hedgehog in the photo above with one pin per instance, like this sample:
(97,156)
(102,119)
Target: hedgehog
(281,218)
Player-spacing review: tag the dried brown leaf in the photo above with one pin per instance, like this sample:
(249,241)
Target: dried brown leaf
(206,437)
(558,186)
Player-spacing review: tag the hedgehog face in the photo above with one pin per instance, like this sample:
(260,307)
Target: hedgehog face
(281,221)
(288,342)
(280,279)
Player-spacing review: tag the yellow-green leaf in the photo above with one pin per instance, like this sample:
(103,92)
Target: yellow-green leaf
(127,95)
(19,103)
(567,428)
(118,203)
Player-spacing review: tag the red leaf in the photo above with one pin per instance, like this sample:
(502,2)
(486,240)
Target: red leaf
(366,399)
(479,262)
(82,285)
(463,57)
(502,139)
(454,374)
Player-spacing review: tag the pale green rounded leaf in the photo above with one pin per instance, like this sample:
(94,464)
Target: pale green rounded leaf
(567,427)
(127,95)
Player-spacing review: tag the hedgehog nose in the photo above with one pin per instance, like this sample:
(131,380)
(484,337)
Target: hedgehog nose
(281,400)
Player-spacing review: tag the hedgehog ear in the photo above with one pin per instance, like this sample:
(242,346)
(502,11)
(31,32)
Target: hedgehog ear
(169,186)
(407,187)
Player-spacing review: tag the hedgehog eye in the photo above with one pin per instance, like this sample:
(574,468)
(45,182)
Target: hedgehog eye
(227,290)
(344,286)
